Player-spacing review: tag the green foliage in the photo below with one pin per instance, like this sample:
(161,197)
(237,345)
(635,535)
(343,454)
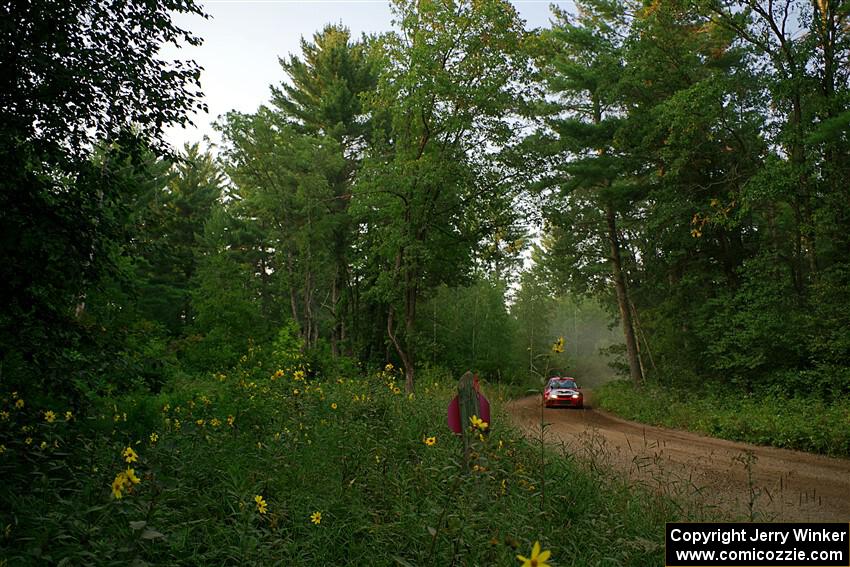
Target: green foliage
(690,172)
(712,138)
(327,84)
(287,345)
(286,205)
(352,449)
(83,94)
(468,328)
(173,216)
(430,189)
(293,168)
(228,313)
(757,330)
(787,416)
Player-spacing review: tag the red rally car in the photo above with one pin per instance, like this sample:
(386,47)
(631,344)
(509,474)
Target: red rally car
(563,392)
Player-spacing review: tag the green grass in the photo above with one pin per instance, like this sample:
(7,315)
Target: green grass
(802,423)
(385,497)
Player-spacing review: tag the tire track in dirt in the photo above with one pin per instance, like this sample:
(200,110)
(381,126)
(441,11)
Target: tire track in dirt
(739,479)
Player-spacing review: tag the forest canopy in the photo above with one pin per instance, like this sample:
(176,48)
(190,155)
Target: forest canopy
(456,193)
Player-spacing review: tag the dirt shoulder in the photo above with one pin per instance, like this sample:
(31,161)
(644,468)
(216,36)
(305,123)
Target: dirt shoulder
(737,478)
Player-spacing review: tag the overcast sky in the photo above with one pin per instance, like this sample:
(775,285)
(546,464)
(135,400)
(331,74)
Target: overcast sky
(244,38)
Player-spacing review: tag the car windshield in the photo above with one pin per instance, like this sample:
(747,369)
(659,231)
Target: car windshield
(562,384)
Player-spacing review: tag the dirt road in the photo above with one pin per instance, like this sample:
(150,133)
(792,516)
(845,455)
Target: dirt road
(739,479)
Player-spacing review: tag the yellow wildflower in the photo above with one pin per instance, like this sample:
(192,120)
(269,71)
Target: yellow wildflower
(49,416)
(154,437)
(69,416)
(538,558)
(130,474)
(430,441)
(2,449)
(333,405)
(28,440)
(176,425)
(389,367)
(396,390)
(316,517)
(118,485)
(295,392)
(215,422)
(200,422)
(4,415)
(43,445)
(262,505)
(558,347)
(230,420)
(478,423)
(130,455)
(19,404)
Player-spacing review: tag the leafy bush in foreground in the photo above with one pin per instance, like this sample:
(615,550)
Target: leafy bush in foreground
(266,466)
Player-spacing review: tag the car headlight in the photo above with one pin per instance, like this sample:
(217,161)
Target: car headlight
(575,396)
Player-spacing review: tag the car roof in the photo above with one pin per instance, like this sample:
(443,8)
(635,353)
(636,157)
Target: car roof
(562,378)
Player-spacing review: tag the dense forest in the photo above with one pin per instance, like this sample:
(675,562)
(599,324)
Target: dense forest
(684,164)
(664,185)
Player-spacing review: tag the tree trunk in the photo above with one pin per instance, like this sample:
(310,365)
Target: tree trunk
(623,298)
(641,336)
(802,204)
(293,300)
(404,352)
(308,308)
(335,315)
(409,322)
